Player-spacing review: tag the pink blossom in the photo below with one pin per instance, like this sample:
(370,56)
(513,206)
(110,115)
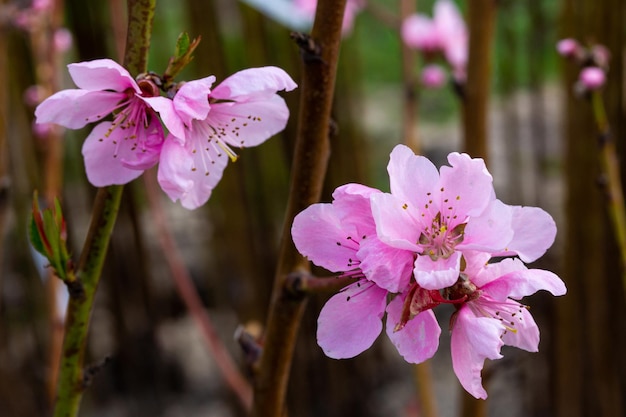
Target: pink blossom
(62,39)
(491,317)
(308,7)
(243,111)
(433,76)
(445,33)
(592,78)
(118,151)
(341,237)
(438,215)
(569,48)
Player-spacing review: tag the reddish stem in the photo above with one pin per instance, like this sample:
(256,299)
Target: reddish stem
(189,295)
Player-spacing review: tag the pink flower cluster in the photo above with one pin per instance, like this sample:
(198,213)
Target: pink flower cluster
(434,239)
(594,62)
(444,34)
(204,124)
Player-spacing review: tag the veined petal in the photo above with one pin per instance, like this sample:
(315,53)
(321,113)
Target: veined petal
(248,123)
(482,275)
(418,340)
(75,108)
(412,178)
(102,74)
(352,204)
(491,231)
(169,116)
(474,339)
(529,281)
(189,173)
(351,320)
(319,235)
(104,159)
(395,225)
(253,81)
(534,232)
(466,184)
(388,267)
(435,275)
(526,335)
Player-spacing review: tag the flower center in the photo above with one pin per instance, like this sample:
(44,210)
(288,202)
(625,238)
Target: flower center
(438,240)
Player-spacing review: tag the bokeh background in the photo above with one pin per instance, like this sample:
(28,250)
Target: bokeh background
(542,151)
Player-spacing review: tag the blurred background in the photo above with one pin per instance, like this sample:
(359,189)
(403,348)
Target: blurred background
(542,151)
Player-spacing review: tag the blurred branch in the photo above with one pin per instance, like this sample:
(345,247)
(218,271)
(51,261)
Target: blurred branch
(409,121)
(312,150)
(189,295)
(481,21)
(612,183)
(71,382)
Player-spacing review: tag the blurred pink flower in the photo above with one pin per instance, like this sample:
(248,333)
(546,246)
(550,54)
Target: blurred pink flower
(569,48)
(62,40)
(341,237)
(439,215)
(445,33)
(308,7)
(592,78)
(243,111)
(491,317)
(115,152)
(433,76)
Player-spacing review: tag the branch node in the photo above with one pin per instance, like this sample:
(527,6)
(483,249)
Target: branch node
(250,346)
(94,369)
(75,288)
(309,49)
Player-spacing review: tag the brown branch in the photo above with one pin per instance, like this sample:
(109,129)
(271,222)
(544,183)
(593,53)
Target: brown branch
(409,121)
(481,21)
(189,295)
(309,168)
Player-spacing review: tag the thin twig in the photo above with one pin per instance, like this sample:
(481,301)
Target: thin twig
(189,295)
(309,168)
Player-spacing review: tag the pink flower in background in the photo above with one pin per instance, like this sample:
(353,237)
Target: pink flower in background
(569,48)
(118,151)
(433,76)
(445,32)
(491,316)
(438,215)
(592,78)
(243,111)
(308,7)
(341,237)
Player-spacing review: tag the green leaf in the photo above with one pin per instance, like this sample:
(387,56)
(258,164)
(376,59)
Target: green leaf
(182,45)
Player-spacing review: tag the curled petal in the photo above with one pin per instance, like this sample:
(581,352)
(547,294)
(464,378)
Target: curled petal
(418,340)
(351,320)
(474,339)
(262,81)
(534,231)
(168,114)
(352,203)
(388,267)
(75,108)
(192,100)
(102,74)
(435,275)
(529,281)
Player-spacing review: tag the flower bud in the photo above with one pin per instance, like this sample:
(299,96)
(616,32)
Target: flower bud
(592,78)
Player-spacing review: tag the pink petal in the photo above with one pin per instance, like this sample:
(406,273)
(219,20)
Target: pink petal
(474,339)
(102,166)
(412,178)
(388,267)
(351,320)
(319,235)
(529,281)
(353,206)
(526,335)
(190,176)
(435,275)
(192,100)
(102,74)
(491,231)
(466,184)
(248,123)
(75,108)
(418,340)
(453,32)
(418,31)
(169,116)
(395,225)
(262,81)
(488,273)
(534,232)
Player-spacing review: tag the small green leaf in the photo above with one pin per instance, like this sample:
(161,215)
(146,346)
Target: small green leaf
(182,45)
